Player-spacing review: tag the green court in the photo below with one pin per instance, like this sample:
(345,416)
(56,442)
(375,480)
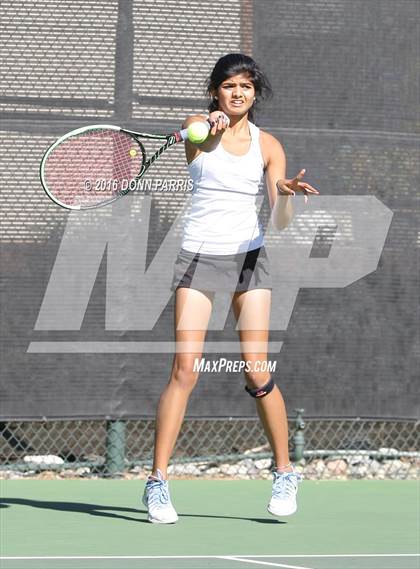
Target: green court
(101,524)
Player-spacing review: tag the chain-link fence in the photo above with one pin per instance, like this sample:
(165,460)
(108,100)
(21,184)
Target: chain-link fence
(142,65)
(320,448)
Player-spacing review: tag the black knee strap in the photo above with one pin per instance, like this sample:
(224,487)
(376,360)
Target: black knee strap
(261,391)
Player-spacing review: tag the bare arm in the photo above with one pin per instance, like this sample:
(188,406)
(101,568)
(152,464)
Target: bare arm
(275,161)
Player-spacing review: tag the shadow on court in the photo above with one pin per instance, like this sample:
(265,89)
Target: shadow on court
(109,511)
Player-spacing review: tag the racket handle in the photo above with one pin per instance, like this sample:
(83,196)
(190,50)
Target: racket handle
(183,134)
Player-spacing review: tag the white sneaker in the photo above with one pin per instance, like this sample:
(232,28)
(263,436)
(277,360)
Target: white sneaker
(158,502)
(283,498)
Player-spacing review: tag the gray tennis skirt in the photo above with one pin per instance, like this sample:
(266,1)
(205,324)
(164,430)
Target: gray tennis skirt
(229,273)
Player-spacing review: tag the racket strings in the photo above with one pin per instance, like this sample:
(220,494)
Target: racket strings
(93,167)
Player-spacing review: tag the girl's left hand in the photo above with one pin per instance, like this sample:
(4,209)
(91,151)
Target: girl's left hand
(290,187)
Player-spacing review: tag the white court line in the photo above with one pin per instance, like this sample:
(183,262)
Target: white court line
(264,563)
(304,555)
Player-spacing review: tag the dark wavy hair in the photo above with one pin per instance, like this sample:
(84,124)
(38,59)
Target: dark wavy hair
(234,64)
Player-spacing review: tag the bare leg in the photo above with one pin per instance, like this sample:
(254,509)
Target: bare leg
(272,412)
(252,311)
(192,313)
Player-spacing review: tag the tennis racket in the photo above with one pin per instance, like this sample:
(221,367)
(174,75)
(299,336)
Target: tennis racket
(95,165)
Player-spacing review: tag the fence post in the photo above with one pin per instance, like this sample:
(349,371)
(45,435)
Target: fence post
(298,437)
(115,447)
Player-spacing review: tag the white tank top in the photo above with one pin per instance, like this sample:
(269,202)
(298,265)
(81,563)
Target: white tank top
(222,218)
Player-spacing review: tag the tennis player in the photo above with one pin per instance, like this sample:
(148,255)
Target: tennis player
(223,249)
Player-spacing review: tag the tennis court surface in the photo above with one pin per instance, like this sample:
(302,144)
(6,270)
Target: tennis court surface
(223,524)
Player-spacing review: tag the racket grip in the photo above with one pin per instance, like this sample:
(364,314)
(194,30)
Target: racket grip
(186,134)
(183,134)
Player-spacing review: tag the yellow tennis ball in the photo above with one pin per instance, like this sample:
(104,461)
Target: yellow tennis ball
(198,132)
(133,152)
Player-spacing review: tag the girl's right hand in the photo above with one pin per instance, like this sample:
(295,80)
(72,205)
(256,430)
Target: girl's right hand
(219,122)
